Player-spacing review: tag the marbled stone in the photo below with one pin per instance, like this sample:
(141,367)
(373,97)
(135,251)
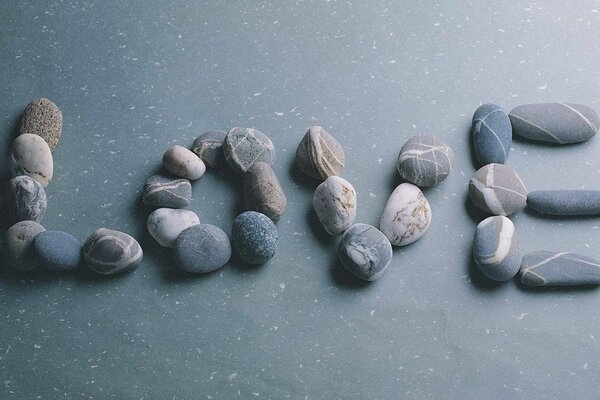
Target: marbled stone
(550,268)
(31,156)
(244,146)
(209,147)
(365,252)
(109,252)
(334,202)
(565,202)
(319,155)
(497,189)
(184,163)
(263,192)
(165,224)
(254,237)
(495,248)
(560,123)
(18,241)
(43,118)
(406,216)
(58,250)
(202,248)
(492,134)
(27,198)
(163,191)
(424,160)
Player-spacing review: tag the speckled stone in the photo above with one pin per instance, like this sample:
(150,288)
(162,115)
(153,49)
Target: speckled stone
(263,192)
(334,202)
(565,202)
(43,118)
(495,248)
(31,156)
(365,252)
(406,216)
(109,252)
(497,189)
(319,155)
(202,248)
(165,224)
(254,237)
(560,123)
(492,134)
(184,163)
(18,248)
(58,250)
(164,191)
(209,147)
(244,146)
(550,268)
(27,198)
(424,160)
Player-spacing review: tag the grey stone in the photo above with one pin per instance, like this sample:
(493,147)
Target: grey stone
(244,146)
(334,202)
(424,160)
(107,252)
(183,162)
(165,224)
(406,216)
(319,155)
(565,202)
(365,252)
(550,268)
(263,192)
(43,118)
(164,191)
(27,198)
(58,250)
(254,237)
(495,248)
(497,189)
(209,147)
(31,156)
(492,134)
(18,241)
(202,248)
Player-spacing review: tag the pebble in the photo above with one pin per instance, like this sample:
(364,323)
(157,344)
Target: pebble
(365,252)
(244,146)
(424,160)
(565,202)
(254,237)
(31,156)
(184,163)
(550,268)
(492,134)
(18,241)
(319,155)
(165,224)
(109,252)
(209,147)
(495,248)
(497,189)
(43,118)
(560,123)
(406,216)
(57,250)
(263,192)
(202,248)
(334,203)
(163,191)
(27,198)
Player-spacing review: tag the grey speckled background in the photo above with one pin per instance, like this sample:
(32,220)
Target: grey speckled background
(133,77)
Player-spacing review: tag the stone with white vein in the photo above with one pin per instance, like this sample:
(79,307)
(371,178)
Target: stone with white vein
(492,134)
(334,203)
(495,248)
(550,268)
(424,160)
(165,224)
(108,252)
(406,216)
(496,189)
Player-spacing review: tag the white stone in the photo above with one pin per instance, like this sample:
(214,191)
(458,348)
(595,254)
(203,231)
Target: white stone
(165,224)
(334,202)
(406,216)
(31,156)
(183,162)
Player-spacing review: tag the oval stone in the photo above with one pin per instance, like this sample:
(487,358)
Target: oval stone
(202,248)
(31,156)
(18,241)
(57,250)
(365,252)
(406,216)
(319,155)
(492,134)
(182,162)
(254,237)
(209,147)
(244,146)
(27,198)
(43,118)
(263,192)
(551,268)
(565,202)
(334,203)
(495,248)
(497,189)
(424,160)
(165,224)
(107,252)
(164,191)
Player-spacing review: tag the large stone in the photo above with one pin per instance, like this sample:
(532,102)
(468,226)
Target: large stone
(31,156)
(183,162)
(202,248)
(550,268)
(406,216)
(254,237)
(58,250)
(244,146)
(164,191)
(18,241)
(497,189)
(424,160)
(319,155)
(165,224)
(565,202)
(334,202)
(263,192)
(43,118)
(495,248)
(365,252)
(209,147)
(492,134)
(108,252)
(27,198)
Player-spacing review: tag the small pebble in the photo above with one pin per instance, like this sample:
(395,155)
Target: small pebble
(18,241)
(492,134)
(496,189)
(165,224)
(244,146)
(334,203)
(406,216)
(163,191)
(319,155)
(424,160)
(495,248)
(365,252)
(27,198)
(209,147)
(58,250)
(550,268)
(43,118)
(254,237)
(31,156)
(184,163)
(565,202)
(202,248)
(109,252)
(263,192)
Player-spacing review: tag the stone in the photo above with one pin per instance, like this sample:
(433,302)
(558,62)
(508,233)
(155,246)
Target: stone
(564,202)
(27,198)
(31,156)
(18,248)
(560,123)
(492,134)
(164,191)
(209,147)
(263,192)
(424,160)
(184,163)
(57,250)
(550,268)
(108,252)
(254,237)
(319,155)
(43,118)
(202,248)
(244,146)
(165,224)
(406,216)
(495,248)
(496,189)
(334,202)
(365,252)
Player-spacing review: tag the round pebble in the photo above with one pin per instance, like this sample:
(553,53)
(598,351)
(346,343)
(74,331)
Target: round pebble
(424,160)
(496,189)
(334,202)
(365,252)
(406,216)
(182,162)
(209,147)
(492,134)
(43,118)
(263,192)
(18,241)
(57,250)
(254,237)
(27,198)
(31,156)
(495,248)
(165,224)
(107,252)
(202,248)
(164,191)
(319,155)
(244,146)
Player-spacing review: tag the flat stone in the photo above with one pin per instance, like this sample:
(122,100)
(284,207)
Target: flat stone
(31,156)
(254,237)
(202,248)
(18,241)
(184,163)
(107,252)
(550,268)
(244,146)
(334,202)
(406,216)
(495,248)
(43,118)
(496,189)
(424,160)
(492,134)
(165,224)
(560,123)
(263,192)
(164,191)
(27,198)
(319,155)
(565,202)
(209,147)
(365,252)
(58,250)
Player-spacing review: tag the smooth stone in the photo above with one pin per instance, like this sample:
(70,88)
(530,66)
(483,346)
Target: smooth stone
(27,198)
(202,248)
(43,118)
(565,202)
(107,252)
(184,163)
(495,248)
(334,202)
(244,146)
(209,147)
(263,192)
(365,252)
(496,189)
(163,191)
(31,156)
(550,268)
(254,237)
(319,155)
(406,216)
(165,224)
(58,250)
(492,134)
(424,160)
(560,123)
(18,241)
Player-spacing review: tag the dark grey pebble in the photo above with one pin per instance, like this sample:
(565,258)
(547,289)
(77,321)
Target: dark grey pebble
(497,189)
(43,118)
(319,155)
(550,268)
(263,192)
(244,146)
(163,191)
(492,134)
(108,251)
(27,198)
(18,241)
(254,237)
(565,202)
(209,147)
(365,252)
(202,248)
(57,250)
(495,248)
(424,160)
